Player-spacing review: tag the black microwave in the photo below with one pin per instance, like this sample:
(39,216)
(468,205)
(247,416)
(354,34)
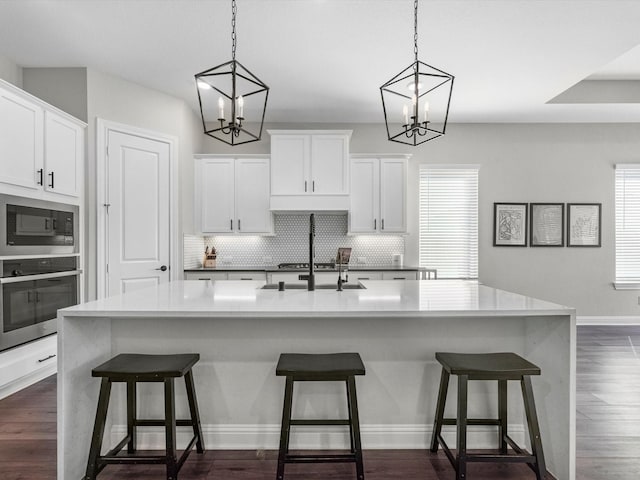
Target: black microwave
(37,227)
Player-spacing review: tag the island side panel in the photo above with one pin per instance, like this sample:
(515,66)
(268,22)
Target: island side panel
(551,344)
(83,343)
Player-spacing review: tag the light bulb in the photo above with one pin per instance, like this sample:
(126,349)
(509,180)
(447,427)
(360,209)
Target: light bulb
(405,114)
(220,108)
(241,106)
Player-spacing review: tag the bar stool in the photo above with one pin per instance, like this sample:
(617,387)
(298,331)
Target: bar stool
(340,367)
(131,369)
(488,366)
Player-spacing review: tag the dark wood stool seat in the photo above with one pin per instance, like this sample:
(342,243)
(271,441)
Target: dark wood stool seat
(317,368)
(133,368)
(502,367)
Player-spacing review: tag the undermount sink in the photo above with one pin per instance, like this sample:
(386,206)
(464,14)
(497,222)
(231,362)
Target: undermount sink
(323,286)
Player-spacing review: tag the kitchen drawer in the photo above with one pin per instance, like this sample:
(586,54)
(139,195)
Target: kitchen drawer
(292,277)
(247,276)
(205,276)
(27,364)
(399,275)
(362,275)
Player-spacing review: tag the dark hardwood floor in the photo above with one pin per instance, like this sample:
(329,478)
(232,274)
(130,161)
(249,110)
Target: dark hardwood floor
(608,432)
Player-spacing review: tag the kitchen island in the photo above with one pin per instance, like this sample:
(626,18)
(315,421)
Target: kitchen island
(240,329)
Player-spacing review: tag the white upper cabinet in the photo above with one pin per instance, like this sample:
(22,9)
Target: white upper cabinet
(41,148)
(378,194)
(310,169)
(252,195)
(232,195)
(290,164)
(21,141)
(63,154)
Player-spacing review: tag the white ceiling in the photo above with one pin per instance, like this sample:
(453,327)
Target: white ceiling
(326,59)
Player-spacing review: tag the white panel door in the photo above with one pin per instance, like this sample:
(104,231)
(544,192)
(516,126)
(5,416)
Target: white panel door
(365,203)
(216,187)
(138,213)
(289,164)
(329,169)
(21,140)
(393,196)
(63,151)
(252,195)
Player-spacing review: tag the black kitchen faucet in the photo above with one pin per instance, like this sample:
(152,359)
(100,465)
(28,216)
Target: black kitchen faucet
(310,277)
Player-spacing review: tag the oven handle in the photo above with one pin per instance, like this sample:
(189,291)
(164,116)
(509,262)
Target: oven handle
(41,276)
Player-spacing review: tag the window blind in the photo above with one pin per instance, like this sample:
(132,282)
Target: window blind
(449,220)
(628,223)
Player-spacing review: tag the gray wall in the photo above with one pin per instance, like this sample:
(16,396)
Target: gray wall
(522,163)
(10,71)
(65,88)
(117,100)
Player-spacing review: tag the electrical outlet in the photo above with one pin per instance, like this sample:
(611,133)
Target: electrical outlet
(226,260)
(361,260)
(267,260)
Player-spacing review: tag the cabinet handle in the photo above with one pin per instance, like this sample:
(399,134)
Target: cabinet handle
(41,174)
(399,278)
(46,224)
(313,186)
(383,224)
(51,174)
(231,228)
(305,185)
(243,278)
(375,223)
(29,296)
(364,278)
(239,225)
(47,358)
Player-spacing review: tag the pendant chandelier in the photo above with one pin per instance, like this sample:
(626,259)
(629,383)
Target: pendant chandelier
(416,101)
(230,95)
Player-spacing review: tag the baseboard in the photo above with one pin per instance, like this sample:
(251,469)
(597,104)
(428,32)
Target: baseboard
(27,380)
(607,320)
(266,437)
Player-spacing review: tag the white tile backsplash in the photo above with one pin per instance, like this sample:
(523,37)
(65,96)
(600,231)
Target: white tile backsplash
(291,244)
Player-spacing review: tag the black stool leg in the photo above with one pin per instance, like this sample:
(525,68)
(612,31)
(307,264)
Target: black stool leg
(355,425)
(170,428)
(284,429)
(461,467)
(502,415)
(350,419)
(98,429)
(131,416)
(193,407)
(442,399)
(534,428)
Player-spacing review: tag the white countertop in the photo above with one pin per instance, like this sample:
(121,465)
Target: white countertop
(437,298)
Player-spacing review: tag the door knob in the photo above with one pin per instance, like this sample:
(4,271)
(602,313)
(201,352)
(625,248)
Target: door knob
(163,268)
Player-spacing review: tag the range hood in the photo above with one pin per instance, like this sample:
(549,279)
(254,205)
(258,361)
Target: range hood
(338,204)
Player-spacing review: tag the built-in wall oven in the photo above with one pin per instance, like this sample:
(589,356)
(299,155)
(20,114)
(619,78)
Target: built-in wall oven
(39,267)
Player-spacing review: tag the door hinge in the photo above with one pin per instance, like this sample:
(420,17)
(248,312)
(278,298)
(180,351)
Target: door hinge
(106,151)
(107,205)
(107,268)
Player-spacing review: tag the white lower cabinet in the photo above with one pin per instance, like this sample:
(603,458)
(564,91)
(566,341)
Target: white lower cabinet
(248,275)
(362,275)
(412,275)
(27,364)
(262,276)
(292,277)
(205,276)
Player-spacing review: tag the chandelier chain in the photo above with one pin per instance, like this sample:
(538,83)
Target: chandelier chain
(415,28)
(234,10)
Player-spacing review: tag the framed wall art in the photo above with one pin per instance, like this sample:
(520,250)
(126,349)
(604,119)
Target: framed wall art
(546,224)
(584,223)
(509,224)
